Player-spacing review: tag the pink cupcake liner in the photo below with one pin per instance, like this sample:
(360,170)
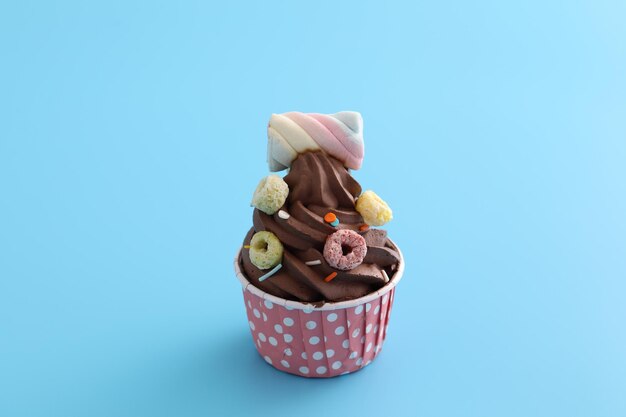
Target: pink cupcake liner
(318,342)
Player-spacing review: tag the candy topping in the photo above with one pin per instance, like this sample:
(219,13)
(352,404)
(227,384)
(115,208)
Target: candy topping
(312,263)
(283,214)
(331,276)
(331,219)
(270,273)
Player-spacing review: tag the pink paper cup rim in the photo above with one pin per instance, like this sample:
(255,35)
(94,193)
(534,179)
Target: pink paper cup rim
(247,286)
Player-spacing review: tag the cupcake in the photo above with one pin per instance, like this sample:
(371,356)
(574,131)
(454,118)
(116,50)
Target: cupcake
(318,275)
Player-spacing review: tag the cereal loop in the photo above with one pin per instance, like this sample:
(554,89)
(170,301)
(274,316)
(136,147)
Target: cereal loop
(345,249)
(266,251)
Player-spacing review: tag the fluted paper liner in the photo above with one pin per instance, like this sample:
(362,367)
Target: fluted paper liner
(326,341)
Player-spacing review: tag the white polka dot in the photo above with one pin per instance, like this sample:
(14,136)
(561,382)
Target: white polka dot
(325,339)
(307,311)
(345,373)
(258,342)
(288,338)
(368,362)
(256,313)
(385,298)
(378,348)
(262,337)
(321,370)
(349,323)
(267,359)
(368,328)
(330,353)
(273,341)
(311,325)
(249,305)
(345,344)
(252,326)
(304,355)
(318,356)
(314,340)
(339,330)
(368,307)
(264,317)
(369,347)
(303,370)
(268,304)
(289,307)
(288,321)
(356,332)
(353,355)
(376,310)
(331,317)
(358,309)
(288,352)
(359,361)
(336,365)
(278,328)
(285,363)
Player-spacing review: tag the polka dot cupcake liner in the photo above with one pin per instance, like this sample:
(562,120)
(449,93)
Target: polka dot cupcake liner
(318,342)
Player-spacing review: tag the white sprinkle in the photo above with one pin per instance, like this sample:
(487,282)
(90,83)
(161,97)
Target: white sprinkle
(385,275)
(269,274)
(315,262)
(283,214)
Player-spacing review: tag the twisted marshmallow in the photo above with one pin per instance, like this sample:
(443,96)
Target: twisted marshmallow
(339,135)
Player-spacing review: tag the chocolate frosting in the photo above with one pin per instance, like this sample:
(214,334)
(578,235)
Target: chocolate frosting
(318,184)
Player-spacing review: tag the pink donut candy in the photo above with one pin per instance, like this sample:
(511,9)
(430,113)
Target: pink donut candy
(345,249)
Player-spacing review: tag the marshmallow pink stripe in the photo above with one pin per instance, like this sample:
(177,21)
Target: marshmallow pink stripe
(327,140)
(340,131)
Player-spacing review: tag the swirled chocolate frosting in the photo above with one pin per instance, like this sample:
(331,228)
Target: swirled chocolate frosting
(319,184)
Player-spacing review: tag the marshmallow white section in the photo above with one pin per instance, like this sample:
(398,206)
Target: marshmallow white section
(355,137)
(353,120)
(279,152)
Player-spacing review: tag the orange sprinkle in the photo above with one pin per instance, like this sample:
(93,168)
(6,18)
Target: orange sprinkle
(330,277)
(330,217)
(363,227)
(246,246)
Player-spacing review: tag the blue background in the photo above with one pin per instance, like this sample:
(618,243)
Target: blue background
(132,135)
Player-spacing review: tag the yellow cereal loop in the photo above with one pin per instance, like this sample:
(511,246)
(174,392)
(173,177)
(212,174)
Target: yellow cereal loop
(266,251)
(373,209)
(270,194)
